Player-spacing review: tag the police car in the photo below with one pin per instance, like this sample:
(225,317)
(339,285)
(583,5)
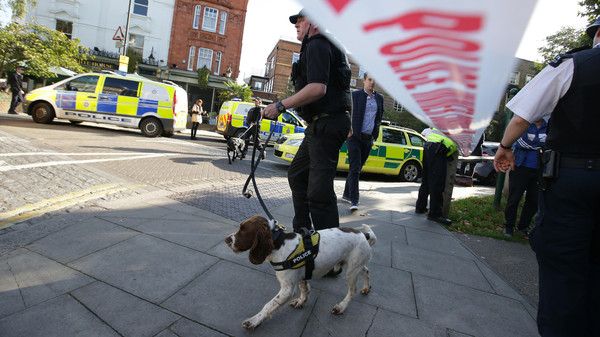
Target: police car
(397,151)
(109,98)
(232,122)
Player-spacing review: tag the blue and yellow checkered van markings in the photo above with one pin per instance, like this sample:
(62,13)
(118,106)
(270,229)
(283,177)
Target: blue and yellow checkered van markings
(146,106)
(107,103)
(66,100)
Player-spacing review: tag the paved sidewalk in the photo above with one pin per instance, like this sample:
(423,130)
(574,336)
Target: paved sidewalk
(155,264)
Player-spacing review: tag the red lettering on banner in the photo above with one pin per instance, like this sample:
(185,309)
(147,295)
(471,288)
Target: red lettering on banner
(446,100)
(438,72)
(339,5)
(437,20)
(431,44)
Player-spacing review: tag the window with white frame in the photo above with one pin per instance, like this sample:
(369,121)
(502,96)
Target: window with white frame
(209,23)
(191,57)
(140,7)
(295,57)
(361,72)
(218,56)
(137,43)
(397,106)
(65,27)
(528,78)
(514,78)
(205,58)
(197,13)
(223,23)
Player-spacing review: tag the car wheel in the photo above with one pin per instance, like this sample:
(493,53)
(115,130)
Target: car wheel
(410,171)
(42,113)
(490,180)
(239,133)
(151,127)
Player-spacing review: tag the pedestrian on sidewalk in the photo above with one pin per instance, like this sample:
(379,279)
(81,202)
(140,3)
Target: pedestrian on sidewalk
(566,232)
(437,152)
(322,82)
(16,87)
(252,120)
(524,179)
(367,111)
(197,113)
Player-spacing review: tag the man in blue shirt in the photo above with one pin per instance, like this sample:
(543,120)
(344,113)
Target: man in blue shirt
(367,112)
(524,179)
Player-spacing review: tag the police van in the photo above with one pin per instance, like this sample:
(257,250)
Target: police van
(109,98)
(232,122)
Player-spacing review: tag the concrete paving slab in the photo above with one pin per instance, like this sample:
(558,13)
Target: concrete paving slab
(222,251)
(59,317)
(81,239)
(145,266)
(187,328)
(437,265)
(391,289)
(127,314)
(471,311)
(239,293)
(40,279)
(418,221)
(10,296)
(442,243)
(388,323)
(201,236)
(355,321)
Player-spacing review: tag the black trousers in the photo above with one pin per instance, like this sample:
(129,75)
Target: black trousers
(358,151)
(194,129)
(433,180)
(566,240)
(312,172)
(521,180)
(17,98)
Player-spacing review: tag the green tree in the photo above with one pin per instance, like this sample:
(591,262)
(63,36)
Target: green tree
(591,10)
(17,7)
(241,91)
(565,39)
(134,60)
(38,49)
(203,74)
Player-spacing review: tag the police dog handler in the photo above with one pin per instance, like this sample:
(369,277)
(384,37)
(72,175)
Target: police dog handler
(566,235)
(322,81)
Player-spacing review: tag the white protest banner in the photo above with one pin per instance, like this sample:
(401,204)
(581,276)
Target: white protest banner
(447,62)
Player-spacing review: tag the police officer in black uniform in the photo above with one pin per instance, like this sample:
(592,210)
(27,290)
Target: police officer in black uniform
(566,235)
(322,81)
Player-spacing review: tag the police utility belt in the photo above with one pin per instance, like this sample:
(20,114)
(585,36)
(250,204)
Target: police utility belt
(550,162)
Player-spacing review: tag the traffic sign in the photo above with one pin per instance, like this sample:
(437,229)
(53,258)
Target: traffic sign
(119,36)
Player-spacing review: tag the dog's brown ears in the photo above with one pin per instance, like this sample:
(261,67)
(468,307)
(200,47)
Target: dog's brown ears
(262,245)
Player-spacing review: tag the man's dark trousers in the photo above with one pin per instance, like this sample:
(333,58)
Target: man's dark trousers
(17,98)
(566,240)
(520,180)
(312,172)
(433,180)
(359,148)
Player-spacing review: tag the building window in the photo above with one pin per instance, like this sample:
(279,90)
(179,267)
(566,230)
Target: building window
(140,7)
(514,78)
(223,23)
(397,106)
(191,57)
(205,58)
(295,57)
(257,86)
(361,72)
(137,43)
(209,23)
(65,27)
(528,78)
(197,16)
(218,56)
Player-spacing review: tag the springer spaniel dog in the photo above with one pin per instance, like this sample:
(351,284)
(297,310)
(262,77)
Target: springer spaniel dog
(337,247)
(235,148)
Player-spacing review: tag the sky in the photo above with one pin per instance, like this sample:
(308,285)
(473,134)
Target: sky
(267,21)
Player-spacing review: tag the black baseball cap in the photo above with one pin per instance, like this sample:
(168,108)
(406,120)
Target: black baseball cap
(590,31)
(294,18)
(257,99)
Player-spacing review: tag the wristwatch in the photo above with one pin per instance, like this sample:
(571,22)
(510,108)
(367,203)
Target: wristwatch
(280,107)
(505,147)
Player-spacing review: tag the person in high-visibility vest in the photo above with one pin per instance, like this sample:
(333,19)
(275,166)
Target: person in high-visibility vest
(436,152)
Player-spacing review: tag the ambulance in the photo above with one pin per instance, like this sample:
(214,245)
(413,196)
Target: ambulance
(232,122)
(109,98)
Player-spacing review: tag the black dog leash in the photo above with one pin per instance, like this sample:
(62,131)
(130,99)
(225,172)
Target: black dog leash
(253,166)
